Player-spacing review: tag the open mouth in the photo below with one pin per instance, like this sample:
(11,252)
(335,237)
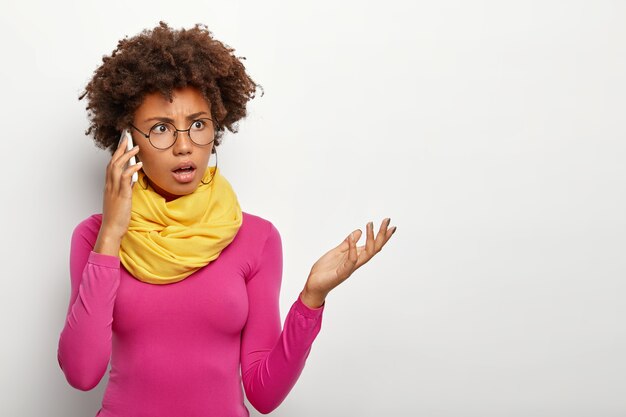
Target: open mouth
(184,175)
(184,170)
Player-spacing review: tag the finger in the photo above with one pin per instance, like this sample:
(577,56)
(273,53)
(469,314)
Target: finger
(121,149)
(373,246)
(122,163)
(345,244)
(116,169)
(121,146)
(363,253)
(389,233)
(123,159)
(346,268)
(369,243)
(352,255)
(126,176)
(110,174)
(382,236)
(110,184)
(363,256)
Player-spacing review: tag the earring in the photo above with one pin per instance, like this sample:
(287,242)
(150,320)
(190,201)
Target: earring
(207,183)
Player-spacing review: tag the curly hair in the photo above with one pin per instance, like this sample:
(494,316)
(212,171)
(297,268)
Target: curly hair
(161,60)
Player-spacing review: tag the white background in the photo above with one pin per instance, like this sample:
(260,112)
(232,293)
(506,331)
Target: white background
(491,132)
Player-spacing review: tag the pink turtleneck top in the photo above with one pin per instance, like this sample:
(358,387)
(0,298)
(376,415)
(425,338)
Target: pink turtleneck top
(190,348)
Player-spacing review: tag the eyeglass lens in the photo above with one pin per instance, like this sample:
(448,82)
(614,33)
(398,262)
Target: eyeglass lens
(163,135)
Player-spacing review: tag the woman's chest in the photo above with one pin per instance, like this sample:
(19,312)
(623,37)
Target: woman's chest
(211,300)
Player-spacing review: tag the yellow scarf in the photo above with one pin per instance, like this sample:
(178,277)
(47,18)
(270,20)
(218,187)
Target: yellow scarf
(168,241)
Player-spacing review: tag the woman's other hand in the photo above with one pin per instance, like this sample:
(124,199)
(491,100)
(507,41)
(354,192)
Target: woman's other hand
(336,265)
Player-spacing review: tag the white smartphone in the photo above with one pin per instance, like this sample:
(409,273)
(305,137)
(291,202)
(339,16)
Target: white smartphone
(129,146)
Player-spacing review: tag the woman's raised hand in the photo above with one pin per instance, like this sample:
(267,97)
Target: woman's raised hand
(336,265)
(117,198)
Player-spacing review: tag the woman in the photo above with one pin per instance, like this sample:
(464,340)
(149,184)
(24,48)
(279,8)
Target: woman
(173,282)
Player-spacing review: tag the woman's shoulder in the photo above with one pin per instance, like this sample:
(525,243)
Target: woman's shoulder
(257,227)
(90,225)
(86,231)
(260,239)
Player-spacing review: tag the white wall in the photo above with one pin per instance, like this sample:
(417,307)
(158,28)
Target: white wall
(491,132)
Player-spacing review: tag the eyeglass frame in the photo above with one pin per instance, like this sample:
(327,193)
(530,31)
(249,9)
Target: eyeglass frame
(176,130)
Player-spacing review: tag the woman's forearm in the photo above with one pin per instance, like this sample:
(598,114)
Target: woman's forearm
(107,243)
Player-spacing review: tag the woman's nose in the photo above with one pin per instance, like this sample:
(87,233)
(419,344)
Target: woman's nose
(183,143)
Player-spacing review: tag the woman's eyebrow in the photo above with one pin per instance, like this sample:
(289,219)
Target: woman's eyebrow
(167,119)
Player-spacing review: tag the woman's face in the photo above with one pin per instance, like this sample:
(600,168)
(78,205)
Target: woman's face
(159,164)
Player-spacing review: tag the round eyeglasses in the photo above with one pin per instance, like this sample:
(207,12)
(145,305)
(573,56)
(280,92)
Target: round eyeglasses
(163,134)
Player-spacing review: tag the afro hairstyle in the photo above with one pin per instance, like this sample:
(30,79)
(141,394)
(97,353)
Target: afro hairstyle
(160,60)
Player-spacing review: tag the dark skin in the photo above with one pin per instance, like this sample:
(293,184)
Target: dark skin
(188,105)
(339,263)
(333,268)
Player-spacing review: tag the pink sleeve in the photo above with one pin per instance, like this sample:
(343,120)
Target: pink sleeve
(85,342)
(271,360)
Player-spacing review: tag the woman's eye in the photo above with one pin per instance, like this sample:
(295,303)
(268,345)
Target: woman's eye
(159,129)
(198,124)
